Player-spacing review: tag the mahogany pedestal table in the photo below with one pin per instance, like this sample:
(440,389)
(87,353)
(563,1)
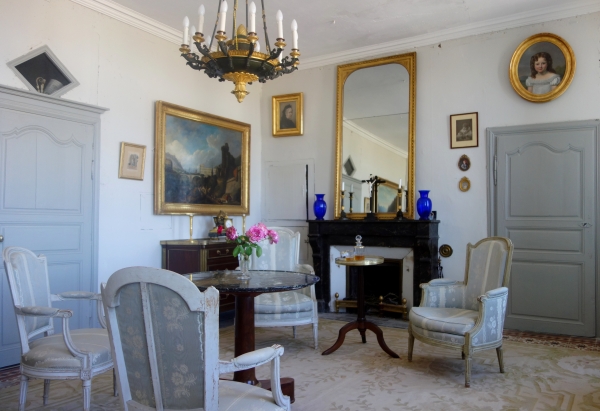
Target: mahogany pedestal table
(361,324)
(261,281)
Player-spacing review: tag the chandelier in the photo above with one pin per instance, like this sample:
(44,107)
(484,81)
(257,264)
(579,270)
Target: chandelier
(238,59)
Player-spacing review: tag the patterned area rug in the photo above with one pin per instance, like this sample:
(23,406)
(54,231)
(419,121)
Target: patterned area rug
(362,377)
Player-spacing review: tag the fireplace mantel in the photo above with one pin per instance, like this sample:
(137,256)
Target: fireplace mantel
(420,235)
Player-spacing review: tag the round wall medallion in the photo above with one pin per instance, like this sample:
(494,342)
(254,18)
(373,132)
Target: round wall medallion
(445,250)
(464,163)
(464,184)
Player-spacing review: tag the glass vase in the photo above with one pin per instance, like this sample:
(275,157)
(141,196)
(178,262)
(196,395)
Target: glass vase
(320,207)
(424,205)
(244,261)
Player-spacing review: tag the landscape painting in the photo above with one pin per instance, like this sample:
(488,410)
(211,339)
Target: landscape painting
(201,162)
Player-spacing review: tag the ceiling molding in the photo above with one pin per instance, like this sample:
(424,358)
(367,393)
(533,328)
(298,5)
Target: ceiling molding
(374,139)
(565,10)
(133,18)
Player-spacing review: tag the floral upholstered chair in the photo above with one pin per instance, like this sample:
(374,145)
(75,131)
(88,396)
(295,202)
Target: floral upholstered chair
(77,354)
(286,308)
(165,338)
(467,315)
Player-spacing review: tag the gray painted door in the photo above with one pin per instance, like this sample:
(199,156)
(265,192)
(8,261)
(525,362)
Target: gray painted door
(46,205)
(544,200)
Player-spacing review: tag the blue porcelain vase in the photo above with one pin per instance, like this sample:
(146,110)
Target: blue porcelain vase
(320,207)
(424,205)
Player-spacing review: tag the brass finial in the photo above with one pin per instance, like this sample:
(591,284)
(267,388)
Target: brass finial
(241,31)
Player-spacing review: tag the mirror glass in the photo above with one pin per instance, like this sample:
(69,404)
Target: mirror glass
(375,136)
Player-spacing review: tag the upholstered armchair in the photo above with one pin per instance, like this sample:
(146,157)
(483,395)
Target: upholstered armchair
(165,340)
(77,354)
(286,308)
(467,315)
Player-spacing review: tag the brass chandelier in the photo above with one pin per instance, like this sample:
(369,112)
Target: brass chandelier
(238,59)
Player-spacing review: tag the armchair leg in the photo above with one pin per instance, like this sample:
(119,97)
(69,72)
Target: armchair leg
(467,370)
(316,335)
(87,394)
(294,331)
(500,353)
(23,393)
(411,343)
(115,387)
(46,391)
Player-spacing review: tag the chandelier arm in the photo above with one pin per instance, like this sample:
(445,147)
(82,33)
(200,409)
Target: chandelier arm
(249,54)
(264,17)
(223,47)
(275,53)
(216,24)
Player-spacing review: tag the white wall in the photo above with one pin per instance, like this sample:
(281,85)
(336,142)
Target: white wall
(460,76)
(126,70)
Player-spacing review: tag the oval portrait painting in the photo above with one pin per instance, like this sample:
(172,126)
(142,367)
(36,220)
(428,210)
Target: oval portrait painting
(542,68)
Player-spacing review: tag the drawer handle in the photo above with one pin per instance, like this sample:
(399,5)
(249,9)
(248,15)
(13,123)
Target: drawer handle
(227,251)
(218,252)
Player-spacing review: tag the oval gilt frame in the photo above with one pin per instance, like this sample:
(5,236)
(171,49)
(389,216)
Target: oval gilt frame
(565,80)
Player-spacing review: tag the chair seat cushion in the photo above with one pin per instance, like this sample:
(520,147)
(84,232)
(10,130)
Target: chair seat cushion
(282,302)
(51,351)
(456,321)
(237,396)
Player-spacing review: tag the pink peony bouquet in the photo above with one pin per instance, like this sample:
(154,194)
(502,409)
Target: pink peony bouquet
(246,242)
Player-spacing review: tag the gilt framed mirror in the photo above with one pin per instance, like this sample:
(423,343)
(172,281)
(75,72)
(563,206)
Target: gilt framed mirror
(375,128)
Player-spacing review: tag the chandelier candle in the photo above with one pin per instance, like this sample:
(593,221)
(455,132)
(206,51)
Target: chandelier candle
(239,58)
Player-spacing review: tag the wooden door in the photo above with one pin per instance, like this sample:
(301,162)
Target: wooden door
(47,202)
(544,200)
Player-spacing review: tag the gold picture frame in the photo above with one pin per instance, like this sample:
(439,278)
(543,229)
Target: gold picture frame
(559,67)
(132,161)
(288,115)
(464,184)
(464,130)
(387,197)
(182,184)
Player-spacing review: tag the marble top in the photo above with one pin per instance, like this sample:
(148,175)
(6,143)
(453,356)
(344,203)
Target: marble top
(261,281)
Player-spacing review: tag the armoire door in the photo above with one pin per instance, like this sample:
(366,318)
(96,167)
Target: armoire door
(46,203)
(544,199)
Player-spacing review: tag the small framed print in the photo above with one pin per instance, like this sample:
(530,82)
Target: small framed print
(464,163)
(133,159)
(542,67)
(367,204)
(464,184)
(288,115)
(464,130)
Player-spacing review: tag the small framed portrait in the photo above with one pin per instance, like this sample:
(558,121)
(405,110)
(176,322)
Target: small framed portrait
(288,115)
(542,68)
(464,184)
(464,163)
(133,159)
(367,204)
(464,130)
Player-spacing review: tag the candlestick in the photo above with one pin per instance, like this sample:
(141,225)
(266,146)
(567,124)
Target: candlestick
(223,16)
(343,213)
(351,196)
(399,214)
(244,223)
(191,226)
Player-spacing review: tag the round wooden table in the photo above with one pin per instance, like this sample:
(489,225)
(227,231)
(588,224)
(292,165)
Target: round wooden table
(261,281)
(361,324)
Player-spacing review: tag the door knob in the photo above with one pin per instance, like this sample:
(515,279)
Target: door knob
(1,238)
(584,225)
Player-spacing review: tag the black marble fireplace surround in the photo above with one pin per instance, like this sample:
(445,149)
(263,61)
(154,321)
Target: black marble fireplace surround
(420,235)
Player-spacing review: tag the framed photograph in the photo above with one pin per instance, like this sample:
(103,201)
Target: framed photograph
(288,115)
(367,205)
(133,159)
(43,72)
(387,197)
(542,68)
(464,162)
(201,163)
(464,130)
(464,184)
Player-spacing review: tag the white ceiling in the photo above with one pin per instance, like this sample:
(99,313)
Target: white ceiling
(331,31)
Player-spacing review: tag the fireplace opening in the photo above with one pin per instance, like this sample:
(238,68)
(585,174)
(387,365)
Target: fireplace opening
(383,289)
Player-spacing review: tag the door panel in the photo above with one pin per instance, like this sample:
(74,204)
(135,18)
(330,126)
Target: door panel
(46,205)
(543,197)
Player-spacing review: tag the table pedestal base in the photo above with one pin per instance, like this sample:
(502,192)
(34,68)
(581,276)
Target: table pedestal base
(361,324)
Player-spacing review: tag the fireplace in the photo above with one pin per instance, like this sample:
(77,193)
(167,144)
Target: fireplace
(380,238)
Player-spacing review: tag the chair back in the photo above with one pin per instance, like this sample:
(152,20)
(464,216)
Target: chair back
(488,267)
(281,256)
(164,334)
(29,286)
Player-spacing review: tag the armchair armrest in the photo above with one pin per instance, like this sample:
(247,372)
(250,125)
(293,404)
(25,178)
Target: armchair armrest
(37,311)
(443,293)
(259,357)
(83,295)
(492,309)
